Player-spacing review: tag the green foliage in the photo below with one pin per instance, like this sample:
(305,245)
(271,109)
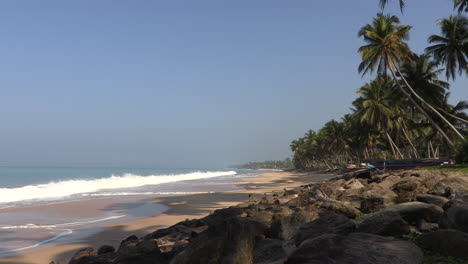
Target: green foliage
(450,47)
(270,164)
(462,153)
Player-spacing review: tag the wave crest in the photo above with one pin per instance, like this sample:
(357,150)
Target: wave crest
(71,187)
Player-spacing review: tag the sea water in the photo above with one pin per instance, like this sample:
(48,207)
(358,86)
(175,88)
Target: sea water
(26,192)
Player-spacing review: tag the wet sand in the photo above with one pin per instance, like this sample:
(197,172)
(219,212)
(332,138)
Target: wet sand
(180,208)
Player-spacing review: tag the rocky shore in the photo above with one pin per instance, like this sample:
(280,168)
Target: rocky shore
(360,217)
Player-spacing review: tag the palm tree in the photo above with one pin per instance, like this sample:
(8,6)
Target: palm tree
(386,49)
(375,107)
(422,74)
(451,48)
(462,5)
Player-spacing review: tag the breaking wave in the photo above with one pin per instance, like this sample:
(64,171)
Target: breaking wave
(66,188)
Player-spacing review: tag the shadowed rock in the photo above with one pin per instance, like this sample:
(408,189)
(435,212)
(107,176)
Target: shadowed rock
(286,227)
(332,223)
(455,218)
(356,248)
(385,223)
(414,212)
(230,242)
(270,251)
(432,199)
(447,242)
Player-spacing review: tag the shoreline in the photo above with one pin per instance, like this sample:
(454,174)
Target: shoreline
(179,209)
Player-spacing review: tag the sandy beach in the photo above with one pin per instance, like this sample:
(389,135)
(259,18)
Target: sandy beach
(179,209)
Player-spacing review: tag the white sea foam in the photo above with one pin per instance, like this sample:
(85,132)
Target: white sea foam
(65,232)
(138,193)
(63,225)
(71,187)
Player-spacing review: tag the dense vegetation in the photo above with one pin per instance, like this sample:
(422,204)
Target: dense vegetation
(404,111)
(269,164)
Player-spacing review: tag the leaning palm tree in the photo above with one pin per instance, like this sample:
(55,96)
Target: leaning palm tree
(386,49)
(451,47)
(422,74)
(462,5)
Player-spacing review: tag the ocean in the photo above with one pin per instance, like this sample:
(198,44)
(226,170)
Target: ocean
(29,217)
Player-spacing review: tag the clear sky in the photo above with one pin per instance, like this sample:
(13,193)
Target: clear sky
(203,83)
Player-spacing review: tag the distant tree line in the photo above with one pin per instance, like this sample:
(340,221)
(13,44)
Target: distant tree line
(269,164)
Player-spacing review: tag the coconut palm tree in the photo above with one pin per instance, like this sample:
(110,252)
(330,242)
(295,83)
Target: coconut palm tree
(375,107)
(451,47)
(386,49)
(422,74)
(462,5)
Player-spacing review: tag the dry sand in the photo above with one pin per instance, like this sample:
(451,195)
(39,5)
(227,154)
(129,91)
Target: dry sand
(181,208)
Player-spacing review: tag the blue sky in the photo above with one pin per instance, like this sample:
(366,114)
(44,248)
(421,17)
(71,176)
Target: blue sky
(203,83)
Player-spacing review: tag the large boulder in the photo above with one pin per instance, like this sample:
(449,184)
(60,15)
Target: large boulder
(455,218)
(230,242)
(447,242)
(414,212)
(340,208)
(407,189)
(376,198)
(356,248)
(286,227)
(432,199)
(221,215)
(270,251)
(83,256)
(331,223)
(450,184)
(385,223)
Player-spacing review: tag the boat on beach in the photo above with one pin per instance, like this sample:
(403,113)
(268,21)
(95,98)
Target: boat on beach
(382,164)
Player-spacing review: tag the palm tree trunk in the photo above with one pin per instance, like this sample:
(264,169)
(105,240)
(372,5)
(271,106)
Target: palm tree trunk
(409,140)
(421,110)
(453,116)
(396,147)
(391,145)
(428,105)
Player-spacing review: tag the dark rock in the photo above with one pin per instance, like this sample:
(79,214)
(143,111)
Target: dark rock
(371,204)
(332,223)
(414,212)
(432,199)
(448,185)
(356,248)
(385,223)
(462,196)
(128,240)
(105,249)
(340,208)
(264,217)
(230,242)
(452,203)
(176,231)
(83,255)
(406,190)
(455,218)
(447,242)
(425,227)
(221,215)
(269,251)
(376,198)
(285,228)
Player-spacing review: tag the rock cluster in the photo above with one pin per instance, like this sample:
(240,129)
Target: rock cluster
(357,218)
